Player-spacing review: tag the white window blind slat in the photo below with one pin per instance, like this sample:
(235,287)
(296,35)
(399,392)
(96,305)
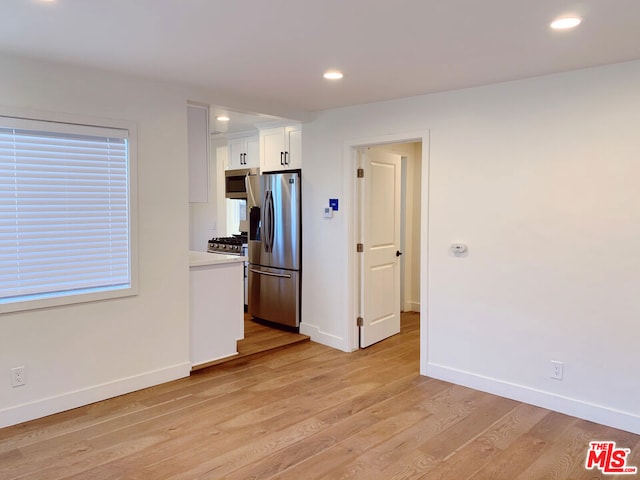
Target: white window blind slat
(64,210)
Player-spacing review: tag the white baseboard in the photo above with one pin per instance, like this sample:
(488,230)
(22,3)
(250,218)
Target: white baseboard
(412,306)
(324,338)
(570,406)
(67,401)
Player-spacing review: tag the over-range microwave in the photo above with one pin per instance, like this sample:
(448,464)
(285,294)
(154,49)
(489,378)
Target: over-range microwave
(235,182)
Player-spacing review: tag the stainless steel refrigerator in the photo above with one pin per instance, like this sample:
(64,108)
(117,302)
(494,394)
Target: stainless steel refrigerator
(273,201)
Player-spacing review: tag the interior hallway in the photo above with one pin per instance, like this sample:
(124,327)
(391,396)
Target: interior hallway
(308,412)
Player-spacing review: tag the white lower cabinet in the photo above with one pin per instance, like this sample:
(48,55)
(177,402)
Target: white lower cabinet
(216,309)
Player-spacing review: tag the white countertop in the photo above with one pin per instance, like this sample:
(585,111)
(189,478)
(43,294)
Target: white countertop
(201,259)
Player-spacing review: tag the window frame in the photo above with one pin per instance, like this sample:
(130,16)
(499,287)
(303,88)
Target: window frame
(72,121)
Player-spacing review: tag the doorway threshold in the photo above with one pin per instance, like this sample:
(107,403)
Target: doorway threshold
(258,340)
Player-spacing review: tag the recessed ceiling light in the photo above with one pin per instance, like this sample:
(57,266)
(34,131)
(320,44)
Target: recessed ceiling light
(222,118)
(333,75)
(563,23)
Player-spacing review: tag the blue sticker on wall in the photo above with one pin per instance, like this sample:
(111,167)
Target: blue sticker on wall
(333,204)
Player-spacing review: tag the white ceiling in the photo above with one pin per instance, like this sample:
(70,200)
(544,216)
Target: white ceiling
(275,51)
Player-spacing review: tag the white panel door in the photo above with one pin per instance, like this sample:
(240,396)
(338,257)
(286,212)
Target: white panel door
(380,266)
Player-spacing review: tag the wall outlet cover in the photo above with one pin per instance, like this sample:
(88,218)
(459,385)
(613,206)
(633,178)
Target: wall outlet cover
(557,370)
(18,377)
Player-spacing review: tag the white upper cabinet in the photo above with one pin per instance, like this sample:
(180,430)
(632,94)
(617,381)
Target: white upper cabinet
(198,153)
(244,152)
(281,148)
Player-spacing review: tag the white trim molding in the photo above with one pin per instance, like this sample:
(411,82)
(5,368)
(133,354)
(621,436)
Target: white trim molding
(412,306)
(327,339)
(558,403)
(67,401)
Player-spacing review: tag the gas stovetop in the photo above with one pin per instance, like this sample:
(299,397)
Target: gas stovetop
(229,245)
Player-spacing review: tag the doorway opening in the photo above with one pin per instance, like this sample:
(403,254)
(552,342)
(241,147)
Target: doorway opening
(388,225)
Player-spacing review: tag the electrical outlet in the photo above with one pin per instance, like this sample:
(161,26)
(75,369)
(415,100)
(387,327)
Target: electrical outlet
(18,377)
(557,370)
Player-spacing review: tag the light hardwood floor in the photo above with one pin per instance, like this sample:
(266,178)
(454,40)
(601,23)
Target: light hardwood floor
(308,412)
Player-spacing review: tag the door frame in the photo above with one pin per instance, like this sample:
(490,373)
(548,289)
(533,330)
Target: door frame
(352,218)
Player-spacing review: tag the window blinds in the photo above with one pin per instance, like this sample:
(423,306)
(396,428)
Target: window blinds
(64,210)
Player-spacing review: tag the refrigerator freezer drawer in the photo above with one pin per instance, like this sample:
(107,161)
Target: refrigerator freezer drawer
(274,295)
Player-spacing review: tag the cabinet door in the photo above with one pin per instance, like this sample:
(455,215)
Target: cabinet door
(198,152)
(252,159)
(294,139)
(272,148)
(237,148)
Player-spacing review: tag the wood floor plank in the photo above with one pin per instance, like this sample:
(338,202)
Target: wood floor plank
(386,415)
(236,457)
(307,412)
(444,408)
(470,458)
(484,412)
(392,414)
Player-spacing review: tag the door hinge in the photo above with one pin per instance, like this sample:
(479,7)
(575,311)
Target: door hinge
(359,247)
(361,173)
(360,321)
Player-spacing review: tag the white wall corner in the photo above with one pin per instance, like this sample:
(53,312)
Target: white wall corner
(627,421)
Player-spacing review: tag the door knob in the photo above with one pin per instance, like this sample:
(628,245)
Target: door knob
(398,253)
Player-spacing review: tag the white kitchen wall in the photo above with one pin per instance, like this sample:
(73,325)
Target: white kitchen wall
(82,353)
(539,178)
